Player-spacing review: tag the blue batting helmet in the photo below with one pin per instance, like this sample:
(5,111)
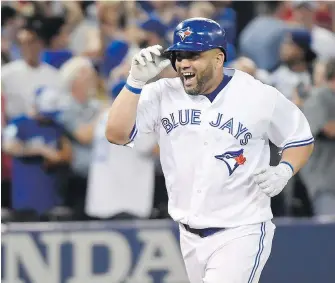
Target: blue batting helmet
(197,35)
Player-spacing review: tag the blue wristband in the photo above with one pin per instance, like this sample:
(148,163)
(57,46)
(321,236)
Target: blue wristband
(289,164)
(133,89)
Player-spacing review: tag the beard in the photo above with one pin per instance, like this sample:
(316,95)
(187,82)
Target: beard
(201,80)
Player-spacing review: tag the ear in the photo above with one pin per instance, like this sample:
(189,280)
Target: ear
(220,57)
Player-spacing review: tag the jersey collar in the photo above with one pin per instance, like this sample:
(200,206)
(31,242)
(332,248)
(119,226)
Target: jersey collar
(226,79)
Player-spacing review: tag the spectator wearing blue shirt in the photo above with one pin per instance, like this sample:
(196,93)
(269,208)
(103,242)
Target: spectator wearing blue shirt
(39,149)
(260,40)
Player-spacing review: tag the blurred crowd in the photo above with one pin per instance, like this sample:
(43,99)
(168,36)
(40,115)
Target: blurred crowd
(64,62)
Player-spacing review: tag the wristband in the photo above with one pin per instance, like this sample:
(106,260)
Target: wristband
(134,85)
(133,89)
(288,164)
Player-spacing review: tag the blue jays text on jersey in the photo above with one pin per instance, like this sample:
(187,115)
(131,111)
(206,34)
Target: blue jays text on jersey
(193,117)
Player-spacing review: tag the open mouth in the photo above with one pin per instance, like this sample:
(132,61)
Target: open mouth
(188,78)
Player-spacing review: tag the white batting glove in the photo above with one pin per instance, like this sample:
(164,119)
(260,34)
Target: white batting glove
(146,65)
(273,179)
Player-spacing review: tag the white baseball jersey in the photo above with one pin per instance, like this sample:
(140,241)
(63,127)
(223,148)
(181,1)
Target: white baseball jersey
(209,150)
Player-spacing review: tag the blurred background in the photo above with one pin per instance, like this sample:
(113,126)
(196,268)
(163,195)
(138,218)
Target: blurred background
(62,65)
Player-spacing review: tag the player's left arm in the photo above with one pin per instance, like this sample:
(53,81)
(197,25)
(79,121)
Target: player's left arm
(289,130)
(296,157)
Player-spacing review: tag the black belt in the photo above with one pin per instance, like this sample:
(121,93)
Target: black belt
(203,233)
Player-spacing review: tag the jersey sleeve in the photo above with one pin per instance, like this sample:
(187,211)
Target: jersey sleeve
(288,126)
(148,110)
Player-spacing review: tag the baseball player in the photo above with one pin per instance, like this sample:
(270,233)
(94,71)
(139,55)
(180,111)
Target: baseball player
(213,126)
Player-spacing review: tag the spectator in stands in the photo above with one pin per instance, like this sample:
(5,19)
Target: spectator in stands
(225,15)
(79,119)
(296,58)
(10,23)
(323,40)
(154,32)
(293,76)
(56,52)
(21,78)
(121,181)
(207,10)
(84,35)
(260,40)
(169,12)
(201,9)
(39,150)
(319,173)
(319,73)
(246,65)
(114,55)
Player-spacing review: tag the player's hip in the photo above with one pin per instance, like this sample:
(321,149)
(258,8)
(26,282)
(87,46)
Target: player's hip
(225,233)
(248,244)
(209,259)
(222,218)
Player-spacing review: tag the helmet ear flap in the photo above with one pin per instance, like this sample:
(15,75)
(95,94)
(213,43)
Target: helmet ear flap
(173,58)
(171,55)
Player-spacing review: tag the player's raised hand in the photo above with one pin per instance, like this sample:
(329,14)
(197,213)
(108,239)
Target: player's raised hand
(273,179)
(146,65)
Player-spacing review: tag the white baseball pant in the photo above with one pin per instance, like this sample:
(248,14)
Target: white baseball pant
(233,255)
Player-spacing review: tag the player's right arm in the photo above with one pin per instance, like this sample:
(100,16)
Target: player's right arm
(136,98)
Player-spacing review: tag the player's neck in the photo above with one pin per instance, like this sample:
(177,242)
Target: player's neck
(214,84)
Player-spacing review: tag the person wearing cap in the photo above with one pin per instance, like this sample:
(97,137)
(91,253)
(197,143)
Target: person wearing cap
(323,40)
(40,152)
(296,57)
(21,78)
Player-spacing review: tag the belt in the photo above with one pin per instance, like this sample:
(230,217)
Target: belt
(202,233)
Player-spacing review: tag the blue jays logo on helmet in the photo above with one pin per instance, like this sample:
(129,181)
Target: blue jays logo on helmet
(185,32)
(237,156)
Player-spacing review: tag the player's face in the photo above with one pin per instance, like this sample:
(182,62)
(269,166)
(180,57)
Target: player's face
(197,70)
